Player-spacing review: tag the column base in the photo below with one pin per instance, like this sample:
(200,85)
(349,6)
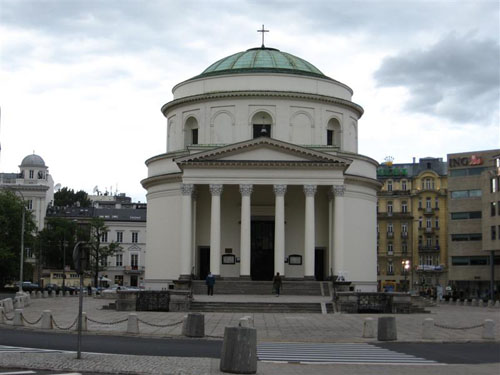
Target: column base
(245,277)
(184,277)
(310,278)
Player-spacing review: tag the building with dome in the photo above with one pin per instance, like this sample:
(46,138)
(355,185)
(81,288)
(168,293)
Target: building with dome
(34,184)
(262,175)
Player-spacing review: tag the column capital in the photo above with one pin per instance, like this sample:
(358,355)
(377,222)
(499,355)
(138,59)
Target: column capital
(187,189)
(279,190)
(310,190)
(246,189)
(338,190)
(216,189)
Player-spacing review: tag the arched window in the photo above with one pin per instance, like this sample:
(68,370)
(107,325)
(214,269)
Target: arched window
(191,131)
(333,133)
(261,124)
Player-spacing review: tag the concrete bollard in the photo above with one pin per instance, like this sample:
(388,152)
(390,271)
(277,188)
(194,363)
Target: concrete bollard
(66,293)
(2,315)
(60,294)
(39,294)
(386,330)
(84,322)
(490,303)
(33,294)
(52,294)
(8,305)
(45,294)
(428,329)
(194,325)
(47,320)
(246,321)
(18,303)
(369,328)
(497,304)
(489,329)
(18,318)
(133,323)
(457,302)
(239,350)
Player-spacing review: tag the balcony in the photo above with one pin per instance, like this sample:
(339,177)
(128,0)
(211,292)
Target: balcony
(404,235)
(427,249)
(134,270)
(390,234)
(428,211)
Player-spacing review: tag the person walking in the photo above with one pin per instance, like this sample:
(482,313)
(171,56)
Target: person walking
(210,281)
(277,284)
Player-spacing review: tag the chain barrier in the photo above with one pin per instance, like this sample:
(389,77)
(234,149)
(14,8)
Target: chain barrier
(459,328)
(32,323)
(6,316)
(107,323)
(160,325)
(64,328)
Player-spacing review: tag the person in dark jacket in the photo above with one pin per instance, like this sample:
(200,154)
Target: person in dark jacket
(277,283)
(210,281)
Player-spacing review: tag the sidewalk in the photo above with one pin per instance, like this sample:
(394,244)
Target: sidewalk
(270,327)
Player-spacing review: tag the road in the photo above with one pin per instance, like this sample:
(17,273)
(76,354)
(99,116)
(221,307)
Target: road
(444,353)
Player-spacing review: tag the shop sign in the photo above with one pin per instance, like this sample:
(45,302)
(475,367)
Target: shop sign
(465,161)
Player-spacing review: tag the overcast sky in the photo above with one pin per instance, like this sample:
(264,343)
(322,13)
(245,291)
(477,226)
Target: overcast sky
(82,81)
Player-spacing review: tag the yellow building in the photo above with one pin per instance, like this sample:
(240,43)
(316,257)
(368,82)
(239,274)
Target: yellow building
(411,226)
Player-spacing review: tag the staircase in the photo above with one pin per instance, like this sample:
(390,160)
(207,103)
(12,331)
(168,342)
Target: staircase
(244,287)
(261,307)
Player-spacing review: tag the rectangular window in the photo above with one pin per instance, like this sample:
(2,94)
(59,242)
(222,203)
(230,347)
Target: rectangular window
(389,185)
(194,136)
(437,223)
(466,215)
(460,261)
(437,203)
(428,223)
(119,280)
(261,131)
(460,194)
(493,185)
(429,241)
(493,208)
(493,232)
(119,236)
(420,203)
(390,268)
(134,260)
(404,227)
(403,185)
(479,261)
(104,237)
(466,172)
(32,173)
(404,247)
(390,249)
(420,222)
(119,260)
(466,237)
(30,204)
(404,207)
(135,237)
(428,203)
(390,228)
(389,207)
(329,137)
(475,193)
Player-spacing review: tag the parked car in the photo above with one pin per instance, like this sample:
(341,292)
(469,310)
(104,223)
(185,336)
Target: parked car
(28,286)
(52,287)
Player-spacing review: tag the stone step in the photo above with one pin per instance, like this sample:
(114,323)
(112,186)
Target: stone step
(260,307)
(301,288)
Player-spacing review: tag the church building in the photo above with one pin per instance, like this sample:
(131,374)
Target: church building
(262,175)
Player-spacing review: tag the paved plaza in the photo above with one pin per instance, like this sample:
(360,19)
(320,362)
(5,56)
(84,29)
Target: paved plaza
(305,328)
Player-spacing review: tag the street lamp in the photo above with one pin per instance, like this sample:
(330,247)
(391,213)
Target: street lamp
(406,267)
(23,210)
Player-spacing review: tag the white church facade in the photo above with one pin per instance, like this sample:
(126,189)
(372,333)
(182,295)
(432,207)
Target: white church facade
(262,175)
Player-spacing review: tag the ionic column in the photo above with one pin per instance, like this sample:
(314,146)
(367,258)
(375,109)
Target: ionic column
(309,238)
(186,230)
(279,229)
(215,232)
(246,192)
(338,230)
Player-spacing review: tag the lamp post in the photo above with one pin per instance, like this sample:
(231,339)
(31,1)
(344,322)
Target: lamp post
(23,214)
(406,267)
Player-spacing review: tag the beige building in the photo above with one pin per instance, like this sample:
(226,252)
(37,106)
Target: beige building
(262,175)
(411,227)
(474,223)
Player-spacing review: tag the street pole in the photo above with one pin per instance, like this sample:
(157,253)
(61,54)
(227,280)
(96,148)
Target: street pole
(78,255)
(21,278)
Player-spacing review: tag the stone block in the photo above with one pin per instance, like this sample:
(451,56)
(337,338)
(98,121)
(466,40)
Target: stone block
(33,294)
(2,315)
(8,305)
(133,323)
(386,330)
(45,294)
(246,321)
(47,320)
(428,329)
(369,328)
(489,329)
(194,325)
(239,350)
(18,303)
(39,294)
(490,303)
(18,318)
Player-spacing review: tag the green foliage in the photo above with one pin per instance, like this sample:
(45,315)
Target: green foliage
(56,241)
(11,207)
(98,251)
(68,197)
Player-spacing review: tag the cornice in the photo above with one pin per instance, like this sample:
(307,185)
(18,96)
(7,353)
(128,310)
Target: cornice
(366,181)
(160,179)
(261,93)
(263,164)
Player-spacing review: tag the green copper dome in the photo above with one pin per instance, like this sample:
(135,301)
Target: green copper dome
(262,60)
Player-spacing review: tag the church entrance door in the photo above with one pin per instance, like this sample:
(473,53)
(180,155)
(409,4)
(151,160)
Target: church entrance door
(319,264)
(262,258)
(203,262)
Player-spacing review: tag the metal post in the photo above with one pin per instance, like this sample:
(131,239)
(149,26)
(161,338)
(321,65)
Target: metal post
(80,311)
(492,279)
(21,278)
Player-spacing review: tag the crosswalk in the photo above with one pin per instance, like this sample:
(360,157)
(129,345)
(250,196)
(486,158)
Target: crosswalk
(334,353)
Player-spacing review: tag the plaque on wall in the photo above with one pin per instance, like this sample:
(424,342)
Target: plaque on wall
(228,259)
(295,260)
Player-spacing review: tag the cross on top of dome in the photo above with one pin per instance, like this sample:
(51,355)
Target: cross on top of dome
(263,31)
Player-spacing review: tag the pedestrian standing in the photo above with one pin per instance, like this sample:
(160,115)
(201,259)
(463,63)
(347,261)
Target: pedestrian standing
(277,283)
(210,281)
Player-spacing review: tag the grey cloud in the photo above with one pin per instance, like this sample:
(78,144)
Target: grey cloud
(457,78)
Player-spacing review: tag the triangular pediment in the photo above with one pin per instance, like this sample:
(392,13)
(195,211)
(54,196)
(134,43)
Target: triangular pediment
(263,150)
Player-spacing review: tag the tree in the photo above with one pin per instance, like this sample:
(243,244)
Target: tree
(98,253)
(11,208)
(67,197)
(56,241)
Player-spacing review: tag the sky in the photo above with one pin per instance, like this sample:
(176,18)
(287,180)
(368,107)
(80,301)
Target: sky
(82,81)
